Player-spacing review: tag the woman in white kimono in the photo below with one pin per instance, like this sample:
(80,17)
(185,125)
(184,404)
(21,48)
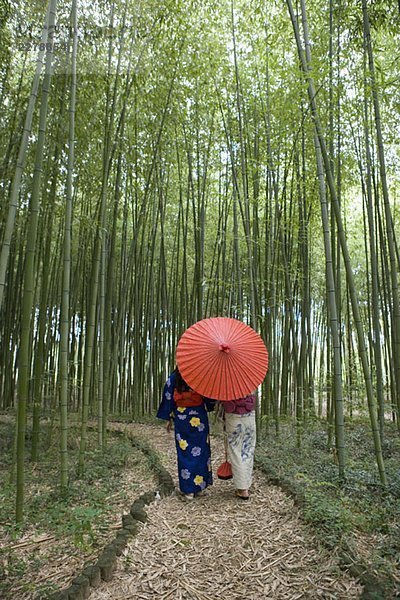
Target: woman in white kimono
(240,426)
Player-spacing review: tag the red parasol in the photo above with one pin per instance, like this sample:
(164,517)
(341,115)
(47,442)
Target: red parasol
(222,358)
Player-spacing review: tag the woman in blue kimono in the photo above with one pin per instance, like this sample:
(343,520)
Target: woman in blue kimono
(192,434)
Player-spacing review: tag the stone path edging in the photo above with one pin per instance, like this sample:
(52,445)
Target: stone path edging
(373,589)
(103,568)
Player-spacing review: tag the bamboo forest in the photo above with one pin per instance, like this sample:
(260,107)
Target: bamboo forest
(165,163)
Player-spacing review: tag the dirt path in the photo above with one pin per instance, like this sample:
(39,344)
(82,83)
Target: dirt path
(219,547)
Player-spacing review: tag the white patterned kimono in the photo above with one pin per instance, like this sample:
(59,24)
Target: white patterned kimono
(241,435)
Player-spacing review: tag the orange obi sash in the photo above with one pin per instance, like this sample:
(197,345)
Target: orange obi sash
(187,399)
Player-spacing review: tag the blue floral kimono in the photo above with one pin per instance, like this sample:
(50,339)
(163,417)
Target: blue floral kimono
(192,439)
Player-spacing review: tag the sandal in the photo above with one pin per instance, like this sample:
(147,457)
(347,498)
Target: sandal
(184,497)
(240,496)
(187,497)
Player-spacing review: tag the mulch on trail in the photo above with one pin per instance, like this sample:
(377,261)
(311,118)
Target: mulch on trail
(221,547)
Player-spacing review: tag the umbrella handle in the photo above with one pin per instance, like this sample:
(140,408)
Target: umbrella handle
(225,442)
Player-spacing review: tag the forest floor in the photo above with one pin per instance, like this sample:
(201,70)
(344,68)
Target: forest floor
(221,547)
(213,547)
(356,515)
(60,535)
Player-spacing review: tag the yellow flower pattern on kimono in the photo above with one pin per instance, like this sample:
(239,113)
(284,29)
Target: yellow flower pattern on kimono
(183,444)
(191,438)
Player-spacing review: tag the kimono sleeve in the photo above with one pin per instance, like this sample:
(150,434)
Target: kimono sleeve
(167,401)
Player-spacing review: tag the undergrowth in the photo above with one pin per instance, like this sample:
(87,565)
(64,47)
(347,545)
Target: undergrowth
(78,519)
(357,512)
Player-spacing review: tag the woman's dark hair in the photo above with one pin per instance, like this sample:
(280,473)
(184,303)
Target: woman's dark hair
(180,383)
